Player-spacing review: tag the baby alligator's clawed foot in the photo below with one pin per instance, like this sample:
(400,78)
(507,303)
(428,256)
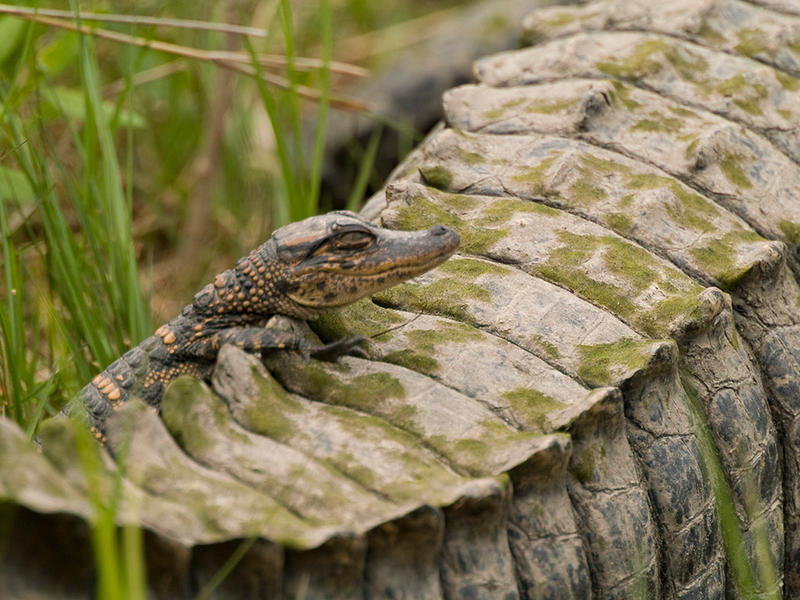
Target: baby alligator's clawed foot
(330,352)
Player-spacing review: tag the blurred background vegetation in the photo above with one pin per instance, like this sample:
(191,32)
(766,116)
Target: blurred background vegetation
(140,156)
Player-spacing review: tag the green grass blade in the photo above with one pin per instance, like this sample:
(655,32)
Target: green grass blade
(312,199)
(289,179)
(364,170)
(124,285)
(743,573)
(11,324)
(292,105)
(222,573)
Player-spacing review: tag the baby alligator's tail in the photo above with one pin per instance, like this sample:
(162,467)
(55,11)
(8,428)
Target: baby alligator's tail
(105,393)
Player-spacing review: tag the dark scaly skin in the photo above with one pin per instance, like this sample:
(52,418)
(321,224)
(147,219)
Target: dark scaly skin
(304,268)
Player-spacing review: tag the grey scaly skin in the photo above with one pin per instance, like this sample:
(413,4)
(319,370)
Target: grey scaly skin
(303,269)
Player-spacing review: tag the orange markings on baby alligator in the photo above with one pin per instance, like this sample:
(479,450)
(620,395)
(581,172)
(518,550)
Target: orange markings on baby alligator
(302,239)
(114,394)
(169,338)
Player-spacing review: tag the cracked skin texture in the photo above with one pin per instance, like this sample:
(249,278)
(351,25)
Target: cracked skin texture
(305,268)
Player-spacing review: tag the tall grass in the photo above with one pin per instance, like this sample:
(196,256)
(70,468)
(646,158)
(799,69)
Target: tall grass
(98,177)
(79,254)
(69,263)
(300,175)
(70,294)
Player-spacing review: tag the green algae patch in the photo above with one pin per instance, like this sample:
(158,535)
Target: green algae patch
(549,107)
(500,111)
(691,147)
(346,462)
(471,158)
(681,111)
(270,423)
(619,222)
(536,177)
(458,202)
(583,466)
(791,231)
(684,214)
(657,321)
(718,257)
(746,95)
(362,424)
(586,192)
(471,268)
(645,60)
(267,414)
(422,475)
(731,168)
(560,20)
(446,332)
(707,32)
(592,165)
(751,41)
(548,349)
(448,297)
(274,391)
(690,66)
(604,364)
(531,406)
(626,201)
(476,448)
(438,176)
(180,402)
(562,271)
(688,208)
(639,63)
(608,295)
(476,453)
(656,123)
(788,82)
(630,262)
(413,360)
(362,392)
(501,210)
(622,95)
(363,317)
(573,264)
(423,343)
(421,213)
(786,114)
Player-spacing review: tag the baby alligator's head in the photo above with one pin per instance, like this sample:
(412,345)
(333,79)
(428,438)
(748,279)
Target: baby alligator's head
(335,259)
(323,262)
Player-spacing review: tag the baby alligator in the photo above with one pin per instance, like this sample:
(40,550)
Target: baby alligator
(304,268)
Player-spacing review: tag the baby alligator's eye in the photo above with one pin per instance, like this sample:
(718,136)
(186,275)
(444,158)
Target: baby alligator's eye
(352,240)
